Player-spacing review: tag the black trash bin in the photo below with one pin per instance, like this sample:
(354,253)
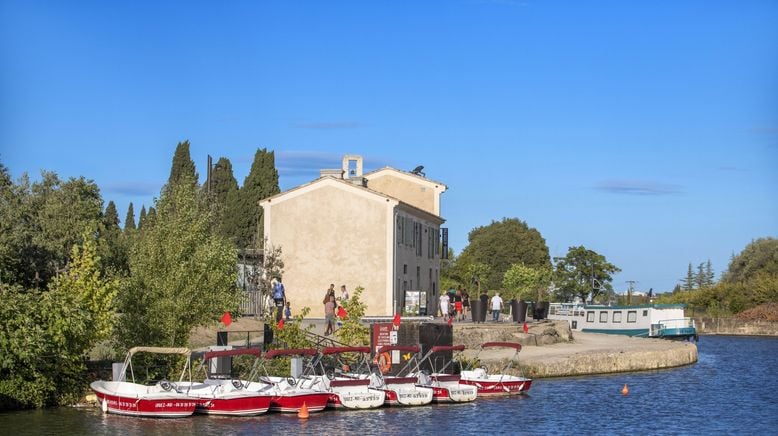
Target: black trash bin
(519,311)
(478,311)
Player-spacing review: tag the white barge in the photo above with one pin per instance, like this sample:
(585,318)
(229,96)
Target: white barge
(648,320)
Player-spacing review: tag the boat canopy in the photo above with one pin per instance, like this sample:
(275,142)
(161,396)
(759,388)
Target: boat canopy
(159,350)
(502,344)
(338,350)
(441,348)
(237,352)
(408,348)
(290,352)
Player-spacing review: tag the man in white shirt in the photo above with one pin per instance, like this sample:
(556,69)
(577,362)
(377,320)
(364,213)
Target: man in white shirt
(496,306)
(444,305)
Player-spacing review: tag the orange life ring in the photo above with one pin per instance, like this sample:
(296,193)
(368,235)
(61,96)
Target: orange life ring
(384,362)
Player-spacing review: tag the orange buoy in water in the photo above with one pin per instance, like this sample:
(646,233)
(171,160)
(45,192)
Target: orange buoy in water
(625,390)
(303,412)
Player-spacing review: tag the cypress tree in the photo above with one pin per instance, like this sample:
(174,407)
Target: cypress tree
(151,216)
(183,168)
(142,218)
(243,221)
(129,220)
(111,217)
(222,181)
(112,247)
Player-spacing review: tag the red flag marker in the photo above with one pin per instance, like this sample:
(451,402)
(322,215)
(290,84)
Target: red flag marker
(226,319)
(281,324)
(526,329)
(396,320)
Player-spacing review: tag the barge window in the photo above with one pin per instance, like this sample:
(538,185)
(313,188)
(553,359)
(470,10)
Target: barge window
(645,313)
(632,316)
(590,316)
(603,316)
(617,316)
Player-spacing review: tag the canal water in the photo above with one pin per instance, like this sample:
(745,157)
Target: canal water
(733,389)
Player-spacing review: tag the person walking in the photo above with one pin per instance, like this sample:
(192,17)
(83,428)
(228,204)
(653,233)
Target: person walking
(279,298)
(496,306)
(465,303)
(444,306)
(458,305)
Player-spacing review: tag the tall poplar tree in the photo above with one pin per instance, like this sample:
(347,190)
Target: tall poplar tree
(129,220)
(243,221)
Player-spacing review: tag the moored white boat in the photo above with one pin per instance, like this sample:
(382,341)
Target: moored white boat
(161,400)
(287,394)
(226,396)
(647,320)
(497,384)
(446,387)
(345,392)
(400,391)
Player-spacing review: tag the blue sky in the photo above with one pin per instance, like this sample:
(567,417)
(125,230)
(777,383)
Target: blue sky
(646,131)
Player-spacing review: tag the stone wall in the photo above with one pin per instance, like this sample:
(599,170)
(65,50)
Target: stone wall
(540,333)
(734,326)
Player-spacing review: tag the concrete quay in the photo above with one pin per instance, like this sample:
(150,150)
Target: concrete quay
(560,355)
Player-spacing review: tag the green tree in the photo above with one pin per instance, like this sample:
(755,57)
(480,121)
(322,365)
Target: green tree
(687,283)
(142,217)
(710,276)
(46,334)
(223,187)
(182,276)
(243,222)
(354,332)
(700,277)
(113,250)
(183,167)
(475,274)
(760,255)
(580,272)
(526,283)
(502,244)
(129,220)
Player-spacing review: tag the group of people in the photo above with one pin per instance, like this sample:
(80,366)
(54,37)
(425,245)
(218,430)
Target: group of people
(331,306)
(455,304)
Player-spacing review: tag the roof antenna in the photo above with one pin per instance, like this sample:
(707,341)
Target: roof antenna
(418,171)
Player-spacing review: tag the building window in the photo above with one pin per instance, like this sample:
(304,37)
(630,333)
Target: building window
(590,316)
(645,313)
(418,277)
(617,316)
(405,286)
(405,268)
(632,316)
(603,316)
(417,227)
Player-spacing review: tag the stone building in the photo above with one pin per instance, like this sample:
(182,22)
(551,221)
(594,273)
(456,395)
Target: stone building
(379,230)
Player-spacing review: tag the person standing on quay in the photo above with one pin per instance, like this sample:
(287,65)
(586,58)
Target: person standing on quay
(496,306)
(329,315)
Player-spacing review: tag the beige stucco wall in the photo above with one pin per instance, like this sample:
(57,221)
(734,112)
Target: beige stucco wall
(416,193)
(332,235)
